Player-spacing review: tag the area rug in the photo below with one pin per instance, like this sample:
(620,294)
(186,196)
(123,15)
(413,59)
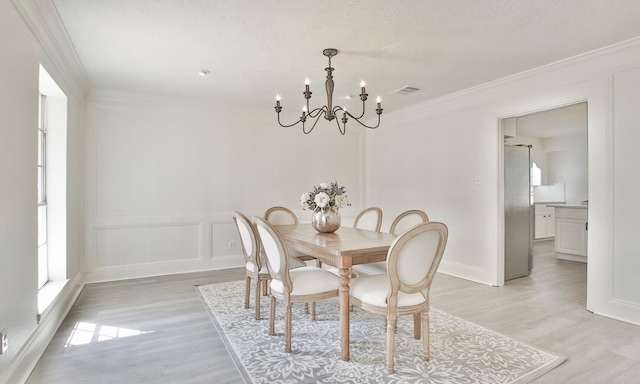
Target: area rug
(461,352)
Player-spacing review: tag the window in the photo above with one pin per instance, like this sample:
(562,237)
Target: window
(52,191)
(43,258)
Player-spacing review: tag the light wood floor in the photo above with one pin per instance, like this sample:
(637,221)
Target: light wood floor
(180,345)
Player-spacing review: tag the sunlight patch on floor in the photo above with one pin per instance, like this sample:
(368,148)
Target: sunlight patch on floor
(85,333)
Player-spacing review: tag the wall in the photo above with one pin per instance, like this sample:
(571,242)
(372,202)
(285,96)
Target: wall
(571,168)
(441,148)
(22,52)
(18,150)
(163,176)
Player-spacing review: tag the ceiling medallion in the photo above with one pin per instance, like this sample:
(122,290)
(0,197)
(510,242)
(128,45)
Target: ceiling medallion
(329,110)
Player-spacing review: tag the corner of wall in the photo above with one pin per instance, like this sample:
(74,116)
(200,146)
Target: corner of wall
(26,359)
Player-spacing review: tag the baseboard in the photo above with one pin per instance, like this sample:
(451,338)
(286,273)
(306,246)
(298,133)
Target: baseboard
(126,272)
(26,359)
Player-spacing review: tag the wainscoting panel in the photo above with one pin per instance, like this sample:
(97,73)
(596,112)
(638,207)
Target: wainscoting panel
(122,246)
(225,240)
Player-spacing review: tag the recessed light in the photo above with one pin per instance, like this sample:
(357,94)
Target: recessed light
(204,72)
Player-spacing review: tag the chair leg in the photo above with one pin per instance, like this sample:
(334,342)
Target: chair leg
(416,325)
(313,310)
(258,300)
(384,324)
(425,336)
(287,328)
(272,315)
(391,334)
(247,288)
(306,308)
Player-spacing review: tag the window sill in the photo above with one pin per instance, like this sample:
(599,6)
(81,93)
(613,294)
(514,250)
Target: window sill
(47,295)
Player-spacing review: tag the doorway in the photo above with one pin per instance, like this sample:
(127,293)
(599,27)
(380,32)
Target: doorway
(558,138)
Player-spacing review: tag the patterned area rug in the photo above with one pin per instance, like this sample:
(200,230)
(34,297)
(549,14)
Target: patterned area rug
(461,352)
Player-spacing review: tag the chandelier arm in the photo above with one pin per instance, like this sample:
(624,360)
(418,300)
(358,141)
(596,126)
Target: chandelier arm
(316,111)
(342,130)
(285,125)
(314,124)
(363,111)
(366,126)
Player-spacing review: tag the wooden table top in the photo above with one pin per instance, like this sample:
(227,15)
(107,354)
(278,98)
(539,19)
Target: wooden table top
(353,246)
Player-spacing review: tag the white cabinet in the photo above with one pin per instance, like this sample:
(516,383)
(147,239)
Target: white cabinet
(571,233)
(544,221)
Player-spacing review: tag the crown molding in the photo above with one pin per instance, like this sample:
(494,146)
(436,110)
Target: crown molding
(597,63)
(43,19)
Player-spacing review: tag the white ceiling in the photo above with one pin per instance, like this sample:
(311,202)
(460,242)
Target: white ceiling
(257,49)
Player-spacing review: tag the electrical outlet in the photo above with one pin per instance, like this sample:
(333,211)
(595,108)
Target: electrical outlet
(231,245)
(4,341)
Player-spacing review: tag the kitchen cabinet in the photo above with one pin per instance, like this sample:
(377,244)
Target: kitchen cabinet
(571,232)
(544,217)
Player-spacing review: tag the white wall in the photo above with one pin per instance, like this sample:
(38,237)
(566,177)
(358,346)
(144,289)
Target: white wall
(18,151)
(164,175)
(22,52)
(429,156)
(571,168)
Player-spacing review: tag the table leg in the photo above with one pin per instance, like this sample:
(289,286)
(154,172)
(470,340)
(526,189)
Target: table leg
(344,312)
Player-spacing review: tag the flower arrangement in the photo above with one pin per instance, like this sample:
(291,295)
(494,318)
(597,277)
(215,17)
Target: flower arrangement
(324,196)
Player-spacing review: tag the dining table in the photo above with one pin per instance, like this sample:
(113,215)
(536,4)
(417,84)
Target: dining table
(342,249)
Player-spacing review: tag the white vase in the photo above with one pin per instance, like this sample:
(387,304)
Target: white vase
(326,221)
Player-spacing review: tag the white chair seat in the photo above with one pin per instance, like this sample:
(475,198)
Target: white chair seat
(373,290)
(308,281)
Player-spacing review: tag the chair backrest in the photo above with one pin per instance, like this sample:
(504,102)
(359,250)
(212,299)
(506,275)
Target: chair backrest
(370,218)
(248,236)
(280,216)
(414,257)
(276,254)
(406,220)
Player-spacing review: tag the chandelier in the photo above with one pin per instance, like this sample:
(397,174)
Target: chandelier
(329,111)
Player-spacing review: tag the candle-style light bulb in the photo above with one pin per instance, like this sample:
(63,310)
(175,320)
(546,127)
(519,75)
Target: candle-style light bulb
(277,100)
(306,85)
(378,100)
(362,87)
(344,113)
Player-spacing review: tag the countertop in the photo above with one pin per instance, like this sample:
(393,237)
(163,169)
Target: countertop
(573,206)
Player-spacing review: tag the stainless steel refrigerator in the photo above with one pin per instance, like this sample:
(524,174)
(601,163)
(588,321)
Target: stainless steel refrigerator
(518,218)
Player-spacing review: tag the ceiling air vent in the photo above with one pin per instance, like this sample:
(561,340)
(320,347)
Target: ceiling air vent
(406,90)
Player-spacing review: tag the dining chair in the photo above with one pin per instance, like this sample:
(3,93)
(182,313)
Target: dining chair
(370,218)
(412,262)
(255,267)
(400,224)
(300,285)
(283,216)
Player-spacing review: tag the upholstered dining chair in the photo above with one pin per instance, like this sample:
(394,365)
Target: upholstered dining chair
(412,262)
(283,216)
(300,285)
(255,267)
(400,224)
(370,218)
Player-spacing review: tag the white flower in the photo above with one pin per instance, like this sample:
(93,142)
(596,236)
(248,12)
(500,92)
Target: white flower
(303,201)
(322,199)
(325,195)
(342,201)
